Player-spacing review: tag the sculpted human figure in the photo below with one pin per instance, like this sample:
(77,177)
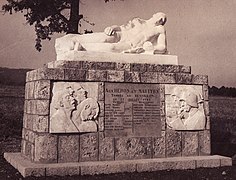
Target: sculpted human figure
(189,116)
(137,36)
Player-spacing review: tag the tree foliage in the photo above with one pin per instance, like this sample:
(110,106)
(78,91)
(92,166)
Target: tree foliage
(47,16)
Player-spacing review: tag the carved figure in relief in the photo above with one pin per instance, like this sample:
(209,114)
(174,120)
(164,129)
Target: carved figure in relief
(137,36)
(189,116)
(75,112)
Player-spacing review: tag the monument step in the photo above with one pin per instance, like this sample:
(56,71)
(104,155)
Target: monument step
(28,168)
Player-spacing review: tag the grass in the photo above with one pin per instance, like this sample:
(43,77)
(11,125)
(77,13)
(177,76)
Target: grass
(223,134)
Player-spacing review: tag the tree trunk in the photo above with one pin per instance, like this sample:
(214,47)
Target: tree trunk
(74,17)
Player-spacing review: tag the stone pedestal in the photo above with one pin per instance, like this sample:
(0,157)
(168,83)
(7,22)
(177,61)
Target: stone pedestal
(135,119)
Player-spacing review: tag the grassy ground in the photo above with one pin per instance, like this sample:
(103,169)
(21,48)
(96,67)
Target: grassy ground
(223,127)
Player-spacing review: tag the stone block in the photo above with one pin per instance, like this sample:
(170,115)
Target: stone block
(101,121)
(41,124)
(42,107)
(68,148)
(170,69)
(190,143)
(206,108)
(205,93)
(31,75)
(42,89)
(101,95)
(150,165)
(132,76)
(29,90)
(162,109)
(208,122)
(173,143)
(138,67)
(75,74)
(211,162)
(28,149)
(106,148)
(101,108)
(204,142)
(154,68)
(106,65)
(31,106)
(93,75)
(23,144)
(183,78)
(159,146)
(185,69)
(89,147)
(50,74)
(162,92)
(133,148)
(200,79)
(28,121)
(166,78)
(87,65)
(45,148)
(149,77)
(163,123)
(122,67)
(65,64)
(58,170)
(115,76)
(107,167)
(225,161)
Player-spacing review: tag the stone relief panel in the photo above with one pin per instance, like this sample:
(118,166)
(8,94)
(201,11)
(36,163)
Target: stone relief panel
(184,107)
(74,107)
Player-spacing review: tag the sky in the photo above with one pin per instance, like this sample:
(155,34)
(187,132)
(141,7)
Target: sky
(202,33)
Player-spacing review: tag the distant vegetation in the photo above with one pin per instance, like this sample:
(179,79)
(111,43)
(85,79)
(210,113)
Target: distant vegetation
(13,77)
(223,91)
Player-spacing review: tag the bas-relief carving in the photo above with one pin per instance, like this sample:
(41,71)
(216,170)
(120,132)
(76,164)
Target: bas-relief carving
(73,107)
(137,36)
(184,107)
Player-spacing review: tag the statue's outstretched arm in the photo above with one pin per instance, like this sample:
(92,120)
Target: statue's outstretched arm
(160,47)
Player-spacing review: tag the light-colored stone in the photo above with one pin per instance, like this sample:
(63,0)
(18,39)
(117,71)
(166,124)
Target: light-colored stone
(124,38)
(27,168)
(184,107)
(115,76)
(74,107)
(190,143)
(42,89)
(173,143)
(159,146)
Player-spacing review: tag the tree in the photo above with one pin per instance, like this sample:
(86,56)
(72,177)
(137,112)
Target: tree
(47,16)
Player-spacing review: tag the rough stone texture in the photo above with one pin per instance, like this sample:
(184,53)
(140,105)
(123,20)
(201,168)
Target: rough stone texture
(106,148)
(132,148)
(65,64)
(123,66)
(46,148)
(89,147)
(190,143)
(166,78)
(29,90)
(101,108)
(93,75)
(170,69)
(75,74)
(68,148)
(163,123)
(42,89)
(42,107)
(159,146)
(162,92)
(173,143)
(106,65)
(89,65)
(183,78)
(185,69)
(30,106)
(101,95)
(28,121)
(50,74)
(101,124)
(149,77)
(27,168)
(205,92)
(131,76)
(138,67)
(208,122)
(107,167)
(31,75)
(41,124)
(115,76)
(200,79)
(206,108)
(162,109)
(204,142)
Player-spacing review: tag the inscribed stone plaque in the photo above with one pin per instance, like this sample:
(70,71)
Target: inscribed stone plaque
(132,110)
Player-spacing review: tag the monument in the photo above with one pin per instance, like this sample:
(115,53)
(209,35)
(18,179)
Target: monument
(112,102)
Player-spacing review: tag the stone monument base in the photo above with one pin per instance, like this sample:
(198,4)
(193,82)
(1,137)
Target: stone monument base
(28,168)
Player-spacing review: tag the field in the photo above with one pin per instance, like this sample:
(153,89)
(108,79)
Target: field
(223,131)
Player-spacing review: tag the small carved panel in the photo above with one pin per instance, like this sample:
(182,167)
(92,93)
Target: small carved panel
(132,110)
(74,107)
(184,107)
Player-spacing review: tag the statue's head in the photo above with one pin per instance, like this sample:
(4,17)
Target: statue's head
(158,18)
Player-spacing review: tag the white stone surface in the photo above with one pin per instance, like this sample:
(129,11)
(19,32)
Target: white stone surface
(184,107)
(74,107)
(28,168)
(137,36)
(118,57)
